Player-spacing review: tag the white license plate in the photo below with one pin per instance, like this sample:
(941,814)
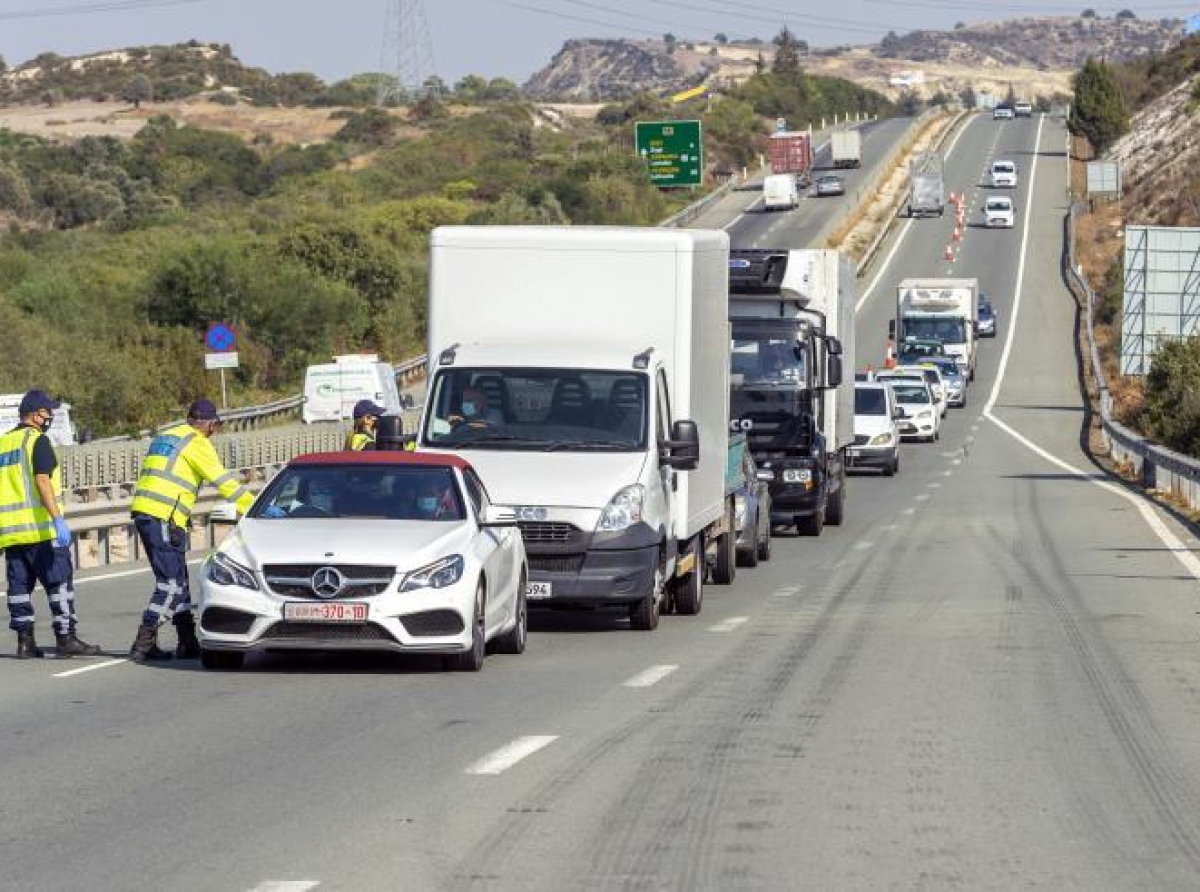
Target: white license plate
(797,475)
(537,590)
(319,612)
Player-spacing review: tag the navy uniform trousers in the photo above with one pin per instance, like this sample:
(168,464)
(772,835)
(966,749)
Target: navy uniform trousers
(166,547)
(26,566)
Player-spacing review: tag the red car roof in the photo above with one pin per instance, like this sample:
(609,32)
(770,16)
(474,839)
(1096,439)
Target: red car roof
(385,457)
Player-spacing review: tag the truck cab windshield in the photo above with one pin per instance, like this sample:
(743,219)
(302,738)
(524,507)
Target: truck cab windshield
(574,410)
(768,360)
(948,331)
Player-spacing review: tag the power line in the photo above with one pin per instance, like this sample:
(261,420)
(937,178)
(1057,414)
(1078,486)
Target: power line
(88,8)
(575,18)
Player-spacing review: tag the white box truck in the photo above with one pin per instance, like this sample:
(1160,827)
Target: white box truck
(584,372)
(793,335)
(846,148)
(332,389)
(780,192)
(945,310)
(927,185)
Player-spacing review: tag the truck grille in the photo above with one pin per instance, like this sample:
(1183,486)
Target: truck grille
(359,581)
(546,531)
(555,563)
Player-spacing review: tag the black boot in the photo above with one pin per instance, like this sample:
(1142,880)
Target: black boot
(27,648)
(70,646)
(145,646)
(188,647)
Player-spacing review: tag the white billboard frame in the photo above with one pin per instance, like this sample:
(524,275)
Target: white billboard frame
(1162,291)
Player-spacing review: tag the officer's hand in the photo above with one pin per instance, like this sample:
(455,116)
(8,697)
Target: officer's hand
(62,533)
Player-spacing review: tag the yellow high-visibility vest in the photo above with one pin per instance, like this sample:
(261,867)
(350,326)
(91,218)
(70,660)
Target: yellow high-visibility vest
(177,463)
(357,441)
(24,520)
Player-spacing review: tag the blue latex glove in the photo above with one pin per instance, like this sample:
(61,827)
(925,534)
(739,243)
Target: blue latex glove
(62,533)
(274,511)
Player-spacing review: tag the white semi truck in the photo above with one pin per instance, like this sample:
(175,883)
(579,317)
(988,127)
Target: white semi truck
(945,310)
(846,148)
(793,337)
(584,372)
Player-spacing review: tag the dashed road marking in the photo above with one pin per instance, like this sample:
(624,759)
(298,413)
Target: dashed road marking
(789,592)
(650,677)
(728,625)
(909,511)
(286,886)
(935,486)
(863,545)
(921,497)
(947,473)
(957,461)
(90,668)
(510,754)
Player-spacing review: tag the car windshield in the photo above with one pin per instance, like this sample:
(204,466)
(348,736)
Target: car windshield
(1002,167)
(830,181)
(768,360)
(999,205)
(948,367)
(869,401)
(942,330)
(911,393)
(573,410)
(360,492)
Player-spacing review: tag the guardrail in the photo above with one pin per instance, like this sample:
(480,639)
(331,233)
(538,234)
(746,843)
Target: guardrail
(1157,467)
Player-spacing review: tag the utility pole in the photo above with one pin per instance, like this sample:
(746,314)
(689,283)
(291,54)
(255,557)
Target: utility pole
(407,52)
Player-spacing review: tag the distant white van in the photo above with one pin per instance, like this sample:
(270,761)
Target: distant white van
(62,429)
(780,192)
(332,389)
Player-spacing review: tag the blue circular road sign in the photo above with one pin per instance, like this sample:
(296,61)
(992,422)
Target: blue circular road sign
(220,338)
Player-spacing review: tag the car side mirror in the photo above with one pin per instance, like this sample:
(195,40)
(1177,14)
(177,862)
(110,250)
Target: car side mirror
(497,517)
(834,373)
(683,449)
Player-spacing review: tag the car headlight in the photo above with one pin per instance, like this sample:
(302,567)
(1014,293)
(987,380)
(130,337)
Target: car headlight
(225,571)
(739,510)
(881,439)
(925,413)
(624,510)
(441,573)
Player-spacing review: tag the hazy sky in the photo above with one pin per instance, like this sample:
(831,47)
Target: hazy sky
(493,37)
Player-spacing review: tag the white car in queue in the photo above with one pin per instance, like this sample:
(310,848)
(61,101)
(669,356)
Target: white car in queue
(999,212)
(920,418)
(368,551)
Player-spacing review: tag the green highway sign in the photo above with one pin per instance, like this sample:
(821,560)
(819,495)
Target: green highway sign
(673,152)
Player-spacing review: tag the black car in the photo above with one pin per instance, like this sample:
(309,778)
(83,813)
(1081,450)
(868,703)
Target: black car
(987,318)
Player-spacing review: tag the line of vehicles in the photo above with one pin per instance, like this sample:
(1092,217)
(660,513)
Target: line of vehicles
(614,418)
(791,156)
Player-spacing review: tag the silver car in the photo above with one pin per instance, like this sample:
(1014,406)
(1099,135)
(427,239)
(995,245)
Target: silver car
(831,185)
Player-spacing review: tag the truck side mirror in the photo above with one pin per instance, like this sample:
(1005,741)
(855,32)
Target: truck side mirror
(389,433)
(683,449)
(892,329)
(833,346)
(834,375)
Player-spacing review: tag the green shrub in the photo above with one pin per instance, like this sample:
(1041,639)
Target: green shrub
(1173,395)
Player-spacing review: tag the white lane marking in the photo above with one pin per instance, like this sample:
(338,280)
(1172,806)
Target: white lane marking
(921,497)
(1190,562)
(286,886)
(935,486)
(510,754)
(788,591)
(863,545)
(728,625)
(957,461)
(124,573)
(947,473)
(92,668)
(903,232)
(649,677)
(909,511)
(887,528)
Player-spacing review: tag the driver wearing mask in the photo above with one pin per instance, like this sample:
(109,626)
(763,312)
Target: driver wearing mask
(474,410)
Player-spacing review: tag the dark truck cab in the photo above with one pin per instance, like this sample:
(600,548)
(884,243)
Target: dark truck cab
(784,364)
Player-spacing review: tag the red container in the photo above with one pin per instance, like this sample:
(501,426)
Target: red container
(790,153)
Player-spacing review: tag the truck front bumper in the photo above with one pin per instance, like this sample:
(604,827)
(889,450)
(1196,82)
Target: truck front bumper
(792,500)
(593,570)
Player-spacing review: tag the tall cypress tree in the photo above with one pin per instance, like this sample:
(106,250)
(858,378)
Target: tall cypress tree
(1098,111)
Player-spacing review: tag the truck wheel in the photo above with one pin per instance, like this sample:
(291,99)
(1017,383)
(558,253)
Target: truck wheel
(748,557)
(835,510)
(688,591)
(725,568)
(811,525)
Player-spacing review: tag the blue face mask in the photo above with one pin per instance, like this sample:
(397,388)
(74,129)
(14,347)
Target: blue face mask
(469,409)
(428,504)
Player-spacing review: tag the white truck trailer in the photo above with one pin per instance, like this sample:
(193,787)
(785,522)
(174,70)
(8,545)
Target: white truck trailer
(846,148)
(793,336)
(584,372)
(945,310)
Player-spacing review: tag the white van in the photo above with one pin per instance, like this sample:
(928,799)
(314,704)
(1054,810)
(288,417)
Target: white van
(62,429)
(332,389)
(780,192)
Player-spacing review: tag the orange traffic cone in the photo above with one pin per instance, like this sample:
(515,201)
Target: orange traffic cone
(949,255)
(957,234)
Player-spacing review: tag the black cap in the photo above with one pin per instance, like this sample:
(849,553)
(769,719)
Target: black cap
(365,407)
(37,399)
(203,410)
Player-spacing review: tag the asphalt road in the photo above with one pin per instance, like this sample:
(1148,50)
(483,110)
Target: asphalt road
(986,678)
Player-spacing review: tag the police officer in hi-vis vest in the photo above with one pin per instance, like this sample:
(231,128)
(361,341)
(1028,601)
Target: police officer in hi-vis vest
(179,460)
(33,531)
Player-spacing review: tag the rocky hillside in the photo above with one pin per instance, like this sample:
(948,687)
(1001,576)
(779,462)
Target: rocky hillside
(1160,160)
(1036,55)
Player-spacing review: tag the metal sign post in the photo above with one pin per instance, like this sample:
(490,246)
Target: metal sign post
(221,342)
